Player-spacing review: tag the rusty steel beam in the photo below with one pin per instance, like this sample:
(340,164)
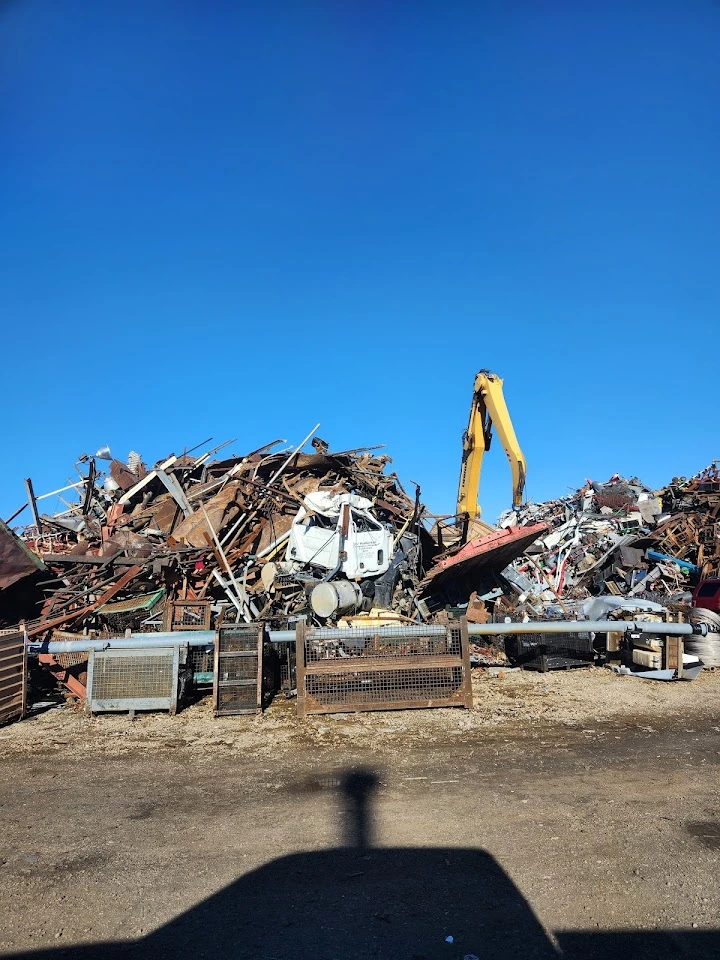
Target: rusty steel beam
(73,615)
(62,675)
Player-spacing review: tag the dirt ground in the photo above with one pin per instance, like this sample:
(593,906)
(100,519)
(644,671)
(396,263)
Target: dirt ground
(572,813)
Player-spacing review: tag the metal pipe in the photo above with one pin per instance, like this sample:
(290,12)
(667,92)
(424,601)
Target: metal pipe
(580,626)
(341,633)
(504,629)
(199,638)
(206,639)
(71,486)
(231,596)
(216,541)
(177,638)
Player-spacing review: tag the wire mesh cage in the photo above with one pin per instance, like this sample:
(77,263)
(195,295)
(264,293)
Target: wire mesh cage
(238,681)
(548,651)
(201,661)
(138,679)
(187,615)
(288,671)
(382,669)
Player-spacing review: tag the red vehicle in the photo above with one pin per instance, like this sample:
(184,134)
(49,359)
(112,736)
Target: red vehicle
(707,594)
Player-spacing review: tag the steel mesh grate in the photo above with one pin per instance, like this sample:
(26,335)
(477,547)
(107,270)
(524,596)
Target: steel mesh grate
(129,676)
(67,660)
(390,668)
(382,646)
(237,699)
(550,650)
(238,668)
(188,615)
(145,678)
(381,688)
(238,639)
(201,661)
(288,671)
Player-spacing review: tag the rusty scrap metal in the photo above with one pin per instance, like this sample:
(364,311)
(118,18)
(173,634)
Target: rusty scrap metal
(621,538)
(13,675)
(194,531)
(210,532)
(385,669)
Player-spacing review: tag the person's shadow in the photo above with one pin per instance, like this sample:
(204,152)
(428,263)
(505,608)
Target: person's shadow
(362,902)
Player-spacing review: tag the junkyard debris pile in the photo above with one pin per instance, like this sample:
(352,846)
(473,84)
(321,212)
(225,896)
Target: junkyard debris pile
(621,539)
(197,541)
(264,536)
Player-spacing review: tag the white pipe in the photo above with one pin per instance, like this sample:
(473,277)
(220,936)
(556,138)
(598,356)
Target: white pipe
(72,486)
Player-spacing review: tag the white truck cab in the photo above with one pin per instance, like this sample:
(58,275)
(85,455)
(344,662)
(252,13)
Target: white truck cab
(338,532)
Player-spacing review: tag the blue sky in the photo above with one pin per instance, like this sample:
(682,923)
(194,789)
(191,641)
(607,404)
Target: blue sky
(236,220)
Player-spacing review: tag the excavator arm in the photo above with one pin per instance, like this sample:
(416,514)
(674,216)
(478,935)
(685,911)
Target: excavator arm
(488,410)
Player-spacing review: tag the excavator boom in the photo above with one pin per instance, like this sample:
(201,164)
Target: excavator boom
(488,410)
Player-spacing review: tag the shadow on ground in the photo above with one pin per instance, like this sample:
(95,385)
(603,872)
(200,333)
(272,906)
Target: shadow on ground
(361,902)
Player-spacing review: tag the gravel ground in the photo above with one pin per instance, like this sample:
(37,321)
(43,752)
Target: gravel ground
(510,700)
(570,814)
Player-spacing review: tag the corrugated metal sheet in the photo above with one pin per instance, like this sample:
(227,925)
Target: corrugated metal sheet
(13,675)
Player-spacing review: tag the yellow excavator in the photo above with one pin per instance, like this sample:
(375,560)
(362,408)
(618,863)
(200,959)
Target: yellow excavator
(488,410)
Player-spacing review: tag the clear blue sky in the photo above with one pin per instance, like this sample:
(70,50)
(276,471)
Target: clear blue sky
(237,219)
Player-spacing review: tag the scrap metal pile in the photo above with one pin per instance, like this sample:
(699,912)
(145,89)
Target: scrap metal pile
(262,536)
(275,535)
(620,538)
(201,541)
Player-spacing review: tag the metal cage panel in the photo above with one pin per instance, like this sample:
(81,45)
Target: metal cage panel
(238,669)
(550,651)
(141,679)
(13,675)
(385,670)
(202,664)
(187,615)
